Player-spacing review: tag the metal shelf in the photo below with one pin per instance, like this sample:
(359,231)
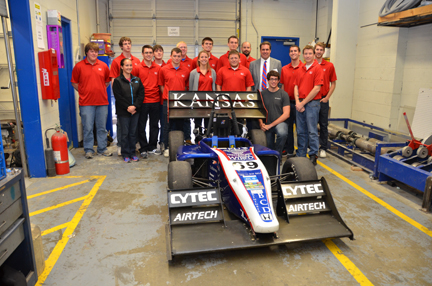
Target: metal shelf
(409,18)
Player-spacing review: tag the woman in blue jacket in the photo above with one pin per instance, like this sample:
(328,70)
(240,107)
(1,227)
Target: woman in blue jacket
(129,94)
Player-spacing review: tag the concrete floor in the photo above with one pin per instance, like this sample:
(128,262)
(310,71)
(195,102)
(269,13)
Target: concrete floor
(120,239)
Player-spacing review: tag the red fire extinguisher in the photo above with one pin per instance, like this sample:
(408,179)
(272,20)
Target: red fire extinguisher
(61,158)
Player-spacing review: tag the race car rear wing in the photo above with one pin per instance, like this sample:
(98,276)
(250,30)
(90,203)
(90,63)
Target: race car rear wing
(198,104)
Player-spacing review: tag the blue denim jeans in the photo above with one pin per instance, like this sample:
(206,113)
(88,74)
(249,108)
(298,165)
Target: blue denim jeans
(323,124)
(129,126)
(289,144)
(281,132)
(307,129)
(91,115)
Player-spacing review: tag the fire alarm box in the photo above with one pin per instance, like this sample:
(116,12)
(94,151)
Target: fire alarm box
(49,78)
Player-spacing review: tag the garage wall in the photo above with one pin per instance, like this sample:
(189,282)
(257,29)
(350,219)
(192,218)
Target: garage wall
(417,72)
(277,18)
(146,23)
(391,66)
(87,16)
(325,8)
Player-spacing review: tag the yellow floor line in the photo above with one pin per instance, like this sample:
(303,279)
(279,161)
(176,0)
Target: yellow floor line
(58,206)
(58,249)
(59,189)
(352,269)
(54,229)
(378,200)
(68,177)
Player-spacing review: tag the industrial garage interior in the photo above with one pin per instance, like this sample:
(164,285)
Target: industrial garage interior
(105,222)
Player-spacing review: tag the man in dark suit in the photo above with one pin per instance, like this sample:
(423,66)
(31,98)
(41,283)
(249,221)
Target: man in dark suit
(262,66)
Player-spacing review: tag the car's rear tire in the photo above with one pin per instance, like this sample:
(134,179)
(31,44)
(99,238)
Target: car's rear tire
(179,175)
(302,168)
(175,140)
(258,137)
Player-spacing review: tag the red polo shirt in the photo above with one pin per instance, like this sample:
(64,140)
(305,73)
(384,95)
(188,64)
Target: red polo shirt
(224,62)
(149,77)
(172,79)
(307,79)
(288,76)
(163,63)
(205,82)
(91,80)
(187,62)
(250,59)
(329,76)
(115,65)
(234,80)
(212,61)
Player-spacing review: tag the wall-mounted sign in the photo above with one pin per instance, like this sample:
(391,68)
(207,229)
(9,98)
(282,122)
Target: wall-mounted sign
(174,31)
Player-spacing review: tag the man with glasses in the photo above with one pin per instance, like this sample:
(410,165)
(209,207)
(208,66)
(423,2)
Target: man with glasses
(277,104)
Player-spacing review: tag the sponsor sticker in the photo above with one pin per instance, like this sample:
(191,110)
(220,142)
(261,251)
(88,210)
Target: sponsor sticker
(254,184)
(303,190)
(239,154)
(307,207)
(195,215)
(193,198)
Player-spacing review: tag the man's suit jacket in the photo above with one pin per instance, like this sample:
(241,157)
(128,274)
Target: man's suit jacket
(256,72)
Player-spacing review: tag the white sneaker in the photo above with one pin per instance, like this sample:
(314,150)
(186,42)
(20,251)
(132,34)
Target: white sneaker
(322,153)
(155,151)
(166,153)
(119,151)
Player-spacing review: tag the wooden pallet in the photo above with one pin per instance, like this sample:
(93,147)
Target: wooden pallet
(409,18)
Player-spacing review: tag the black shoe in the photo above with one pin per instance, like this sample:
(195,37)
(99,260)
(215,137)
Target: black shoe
(313,159)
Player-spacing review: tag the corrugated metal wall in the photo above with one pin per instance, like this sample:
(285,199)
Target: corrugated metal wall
(147,22)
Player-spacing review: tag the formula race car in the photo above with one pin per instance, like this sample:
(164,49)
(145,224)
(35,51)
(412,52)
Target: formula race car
(227,192)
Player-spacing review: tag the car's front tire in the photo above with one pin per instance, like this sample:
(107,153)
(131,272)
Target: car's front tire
(175,140)
(179,175)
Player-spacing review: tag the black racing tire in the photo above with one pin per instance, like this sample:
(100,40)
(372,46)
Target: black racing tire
(175,140)
(179,175)
(258,137)
(302,168)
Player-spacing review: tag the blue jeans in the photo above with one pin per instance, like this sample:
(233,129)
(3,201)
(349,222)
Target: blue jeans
(129,126)
(281,132)
(289,144)
(91,115)
(323,123)
(307,129)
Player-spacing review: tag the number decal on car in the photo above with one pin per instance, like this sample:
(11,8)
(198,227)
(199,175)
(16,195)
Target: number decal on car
(245,165)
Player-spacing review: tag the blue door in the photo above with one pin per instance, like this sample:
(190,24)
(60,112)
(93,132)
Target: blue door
(280,47)
(66,101)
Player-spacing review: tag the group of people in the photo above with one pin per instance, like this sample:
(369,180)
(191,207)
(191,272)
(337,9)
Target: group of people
(297,93)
